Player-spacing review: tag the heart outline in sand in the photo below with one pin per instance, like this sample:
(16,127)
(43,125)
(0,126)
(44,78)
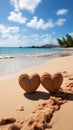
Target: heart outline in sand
(29,83)
(51,82)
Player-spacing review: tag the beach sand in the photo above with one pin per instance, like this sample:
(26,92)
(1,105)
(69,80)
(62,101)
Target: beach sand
(16,106)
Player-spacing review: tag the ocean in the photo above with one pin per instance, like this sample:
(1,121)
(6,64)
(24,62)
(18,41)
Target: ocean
(15,59)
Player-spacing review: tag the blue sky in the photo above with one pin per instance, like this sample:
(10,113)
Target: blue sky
(34,22)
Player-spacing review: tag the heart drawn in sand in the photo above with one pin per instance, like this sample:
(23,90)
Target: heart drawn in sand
(51,83)
(29,83)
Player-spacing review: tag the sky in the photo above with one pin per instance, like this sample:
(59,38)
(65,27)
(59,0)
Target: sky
(34,22)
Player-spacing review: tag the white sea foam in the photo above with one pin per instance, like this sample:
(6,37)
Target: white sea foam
(35,55)
(6,57)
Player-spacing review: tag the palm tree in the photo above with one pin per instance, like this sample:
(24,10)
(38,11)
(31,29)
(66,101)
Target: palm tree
(69,40)
(66,41)
(60,42)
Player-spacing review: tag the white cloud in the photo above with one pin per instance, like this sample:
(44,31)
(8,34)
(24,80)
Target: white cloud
(29,5)
(12,30)
(38,40)
(15,4)
(62,11)
(43,39)
(4,29)
(8,39)
(34,36)
(9,36)
(40,24)
(48,39)
(71,34)
(6,36)
(17,17)
(60,22)
(8,32)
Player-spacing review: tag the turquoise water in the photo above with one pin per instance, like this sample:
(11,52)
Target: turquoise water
(15,51)
(14,59)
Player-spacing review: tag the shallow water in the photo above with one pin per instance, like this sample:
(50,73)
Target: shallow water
(13,60)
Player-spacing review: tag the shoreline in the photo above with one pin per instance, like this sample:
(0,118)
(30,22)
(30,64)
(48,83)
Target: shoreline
(34,66)
(10,65)
(12,97)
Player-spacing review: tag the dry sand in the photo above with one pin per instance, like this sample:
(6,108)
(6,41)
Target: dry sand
(16,105)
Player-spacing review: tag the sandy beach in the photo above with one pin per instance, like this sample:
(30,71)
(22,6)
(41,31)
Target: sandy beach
(18,105)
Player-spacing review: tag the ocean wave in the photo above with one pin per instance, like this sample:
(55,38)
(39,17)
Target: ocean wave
(42,55)
(6,57)
(35,55)
(38,55)
(26,55)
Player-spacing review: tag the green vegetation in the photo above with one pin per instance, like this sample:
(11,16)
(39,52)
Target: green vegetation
(66,41)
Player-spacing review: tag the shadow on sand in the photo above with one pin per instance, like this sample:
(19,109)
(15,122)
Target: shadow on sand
(46,95)
(37,95)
